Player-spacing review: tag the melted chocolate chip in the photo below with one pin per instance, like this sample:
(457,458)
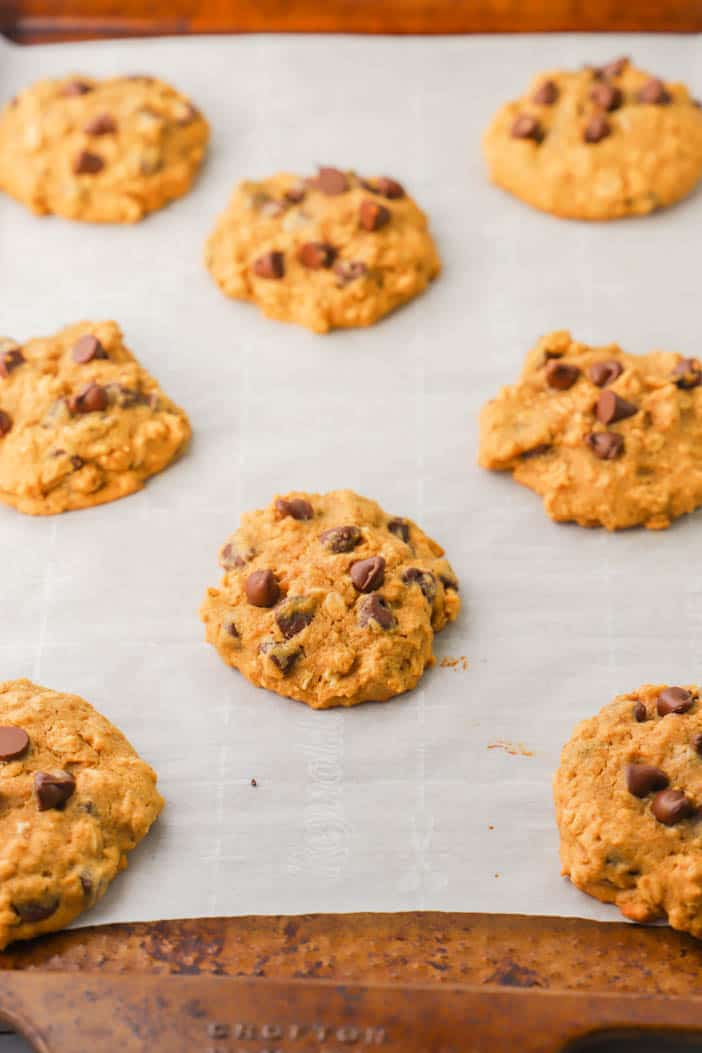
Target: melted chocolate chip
(293,615)
(526,127)
(603,373)
(270,265)
(86,348)
(597,129)
(400,528)
(34,910)
(642,779)
(5,423)
(611,408)
(10,360)
(688,373)
(102,124)
(13,742)
(86,163)
(230,558)
(53,789)
(640,714)
(372,215)
(330,181)
(560,375)
(90,399)
(368,574)
(674,700)
(607,445)
(341,538)
(262,589)
(349,270)
(672,806)
(375,608)
(606,95)
(423,578)
(655,93)
(296,507)
(546,93)
(279,655)
(316,255)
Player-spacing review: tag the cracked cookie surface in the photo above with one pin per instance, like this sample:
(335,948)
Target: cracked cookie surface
(628,794)
(329,252)
(101,151)
(328,600)
(599,143)
(81,423)
(605,437)
(76,798)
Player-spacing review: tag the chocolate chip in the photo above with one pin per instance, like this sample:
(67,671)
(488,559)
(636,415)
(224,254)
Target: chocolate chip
(13,743)
(674,700)
(270,265)
(341,539)
(368,574)
(526,127)
(688,373)
(53,789)
(546,93)
(606,95)
(607,445)
(615,68)
(642,779)
(90,399)
(262,589)
(295,194)
(640,714)
(423,578)
(697,743)
(86,163)
(597,129)
(372,216)
(76,87)
(10,360)
(560,375)
(655,92)
(128,398)
(293,615)
(375,608)
(330,181)
(232,630)
(448,579)
(671,807)
(349,270)
(86,883)
(77,463)
(34,910)
(86,348)
(5,423)
(230,558)
(400,528)
(601,373)
(611,408)
(316,254)
(390,188)
(278,653)
(296,507)
(102,124)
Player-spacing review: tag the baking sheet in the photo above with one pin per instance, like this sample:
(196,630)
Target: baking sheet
(404,805)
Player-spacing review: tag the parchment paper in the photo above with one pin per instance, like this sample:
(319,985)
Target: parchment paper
(404,805)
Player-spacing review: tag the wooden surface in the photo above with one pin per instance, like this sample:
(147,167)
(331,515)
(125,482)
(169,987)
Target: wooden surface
(37,20)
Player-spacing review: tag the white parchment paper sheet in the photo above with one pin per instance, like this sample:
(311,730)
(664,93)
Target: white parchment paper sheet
(390,807)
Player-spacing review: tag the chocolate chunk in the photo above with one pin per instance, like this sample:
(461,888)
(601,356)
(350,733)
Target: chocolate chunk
(671,807)
(602,373)
(102,124)
(296,507)
(280,655)
(674,700)
(546,93)
(607,445)
(400,528)
(606,95)
(293,615)
(597,129)
(90,399)
(611,408)
(697,743)
(270,265)
(526,127)
(5,423)
(13,742)
(560,375)
(53,789)
(316,255)
(642,779)
(655,92)
(375,608)
(76,87)
(262,589)
(688,373)
(86,348)
(640,714)
(390,188)
(341,539)
(34,910)
(330,181)
(615,68)
(368,574)
(10,360)
(349,270)
(372,216)
(86,163)
(423,578)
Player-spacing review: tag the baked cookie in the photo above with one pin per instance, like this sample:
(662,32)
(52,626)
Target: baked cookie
(76,799)
(628,796)
(328,600)
(102,151)
(81,422)
(607,438)
(334,251)
(600,143)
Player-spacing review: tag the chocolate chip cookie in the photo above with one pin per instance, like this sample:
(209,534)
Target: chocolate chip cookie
(76,799)
(102,151)
(628,796)
(607,438)
(328,600)
(599,143)
(334,251)
(81,422)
